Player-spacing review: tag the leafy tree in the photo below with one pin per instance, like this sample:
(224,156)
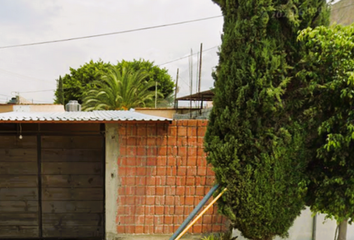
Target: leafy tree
(80,81)
(119,89)
(328,87)
(59,94)
(253,142)
(156,74)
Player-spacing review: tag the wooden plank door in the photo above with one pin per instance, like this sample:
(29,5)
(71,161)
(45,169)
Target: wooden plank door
(19,207)
(72,171)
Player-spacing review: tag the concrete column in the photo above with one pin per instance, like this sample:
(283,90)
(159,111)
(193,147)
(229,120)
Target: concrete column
(112,182)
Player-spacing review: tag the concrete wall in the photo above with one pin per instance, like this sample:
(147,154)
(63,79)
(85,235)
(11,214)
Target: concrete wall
(303,228)
(112,183)
(31,108)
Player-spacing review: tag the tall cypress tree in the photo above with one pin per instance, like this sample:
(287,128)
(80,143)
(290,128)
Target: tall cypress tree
(253,141)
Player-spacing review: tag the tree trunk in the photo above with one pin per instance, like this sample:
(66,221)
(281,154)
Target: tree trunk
(342,230)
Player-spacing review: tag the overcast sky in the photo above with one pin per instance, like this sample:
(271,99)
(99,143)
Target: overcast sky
(35,68)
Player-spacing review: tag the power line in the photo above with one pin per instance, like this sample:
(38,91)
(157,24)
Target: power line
(111,33)
(185,57)
(32,78)
(48,90)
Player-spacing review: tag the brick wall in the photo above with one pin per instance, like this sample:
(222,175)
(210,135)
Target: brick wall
(163,175)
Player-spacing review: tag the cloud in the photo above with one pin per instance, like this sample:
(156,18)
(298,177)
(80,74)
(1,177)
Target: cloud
(24,21)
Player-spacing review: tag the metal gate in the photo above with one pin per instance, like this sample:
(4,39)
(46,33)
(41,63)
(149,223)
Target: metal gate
(52,186)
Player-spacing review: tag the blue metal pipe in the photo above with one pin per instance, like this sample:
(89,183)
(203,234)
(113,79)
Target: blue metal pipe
(195,211)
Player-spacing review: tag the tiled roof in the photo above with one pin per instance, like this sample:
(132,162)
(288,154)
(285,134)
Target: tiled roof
(95,116)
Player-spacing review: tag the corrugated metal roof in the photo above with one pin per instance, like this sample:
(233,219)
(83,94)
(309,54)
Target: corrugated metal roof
(95,116)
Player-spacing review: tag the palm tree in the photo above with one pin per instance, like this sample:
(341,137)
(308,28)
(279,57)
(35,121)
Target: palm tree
(119,89)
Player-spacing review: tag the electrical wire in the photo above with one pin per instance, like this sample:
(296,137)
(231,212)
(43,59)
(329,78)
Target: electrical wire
(185,56)
(48,90)
(20,75)
(107,34)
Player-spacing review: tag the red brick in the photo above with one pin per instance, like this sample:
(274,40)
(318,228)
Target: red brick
(179,210)
(171,161)
(128,180)
(159,210)
(182,171)
(151,151)
(170,210)
(168,229)
(181,181)
(158,229)
(149,220)
(151,181)
(202,171)
(171,180)
(151,141)
(191,171)
(131,141)
(197,228)
(141,190)
(140,210)
(120,210)
(161,171)
(123,150)
(161,130)
(193,123)
(141,131)
(170,200)
(172,131)
(178,219)
(152,130)
(162,160)
(202,123)
(191,161)
(122,130)
(131,171)
(140,161)
(189,200)
(172,150)
(131,151)
(182,151)
(190,190)
(150,200)
(150,190)
(150,210)
(200,191)
(192,131)
(130,161)
(172,141)
(140,171)
(181,131)
(180,190)
(139,229)
(182,141)
(121,229)
(160,200)
(190,181)
(141,151)
(168,220)
(171,171)
(160,190)
(207,219)
(151,161)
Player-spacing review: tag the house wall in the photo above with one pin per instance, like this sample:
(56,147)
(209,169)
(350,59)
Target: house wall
(156,173)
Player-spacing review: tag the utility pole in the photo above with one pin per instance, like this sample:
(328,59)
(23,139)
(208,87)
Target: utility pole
(176,88)
(200,72)
(191,81)
(156,94)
